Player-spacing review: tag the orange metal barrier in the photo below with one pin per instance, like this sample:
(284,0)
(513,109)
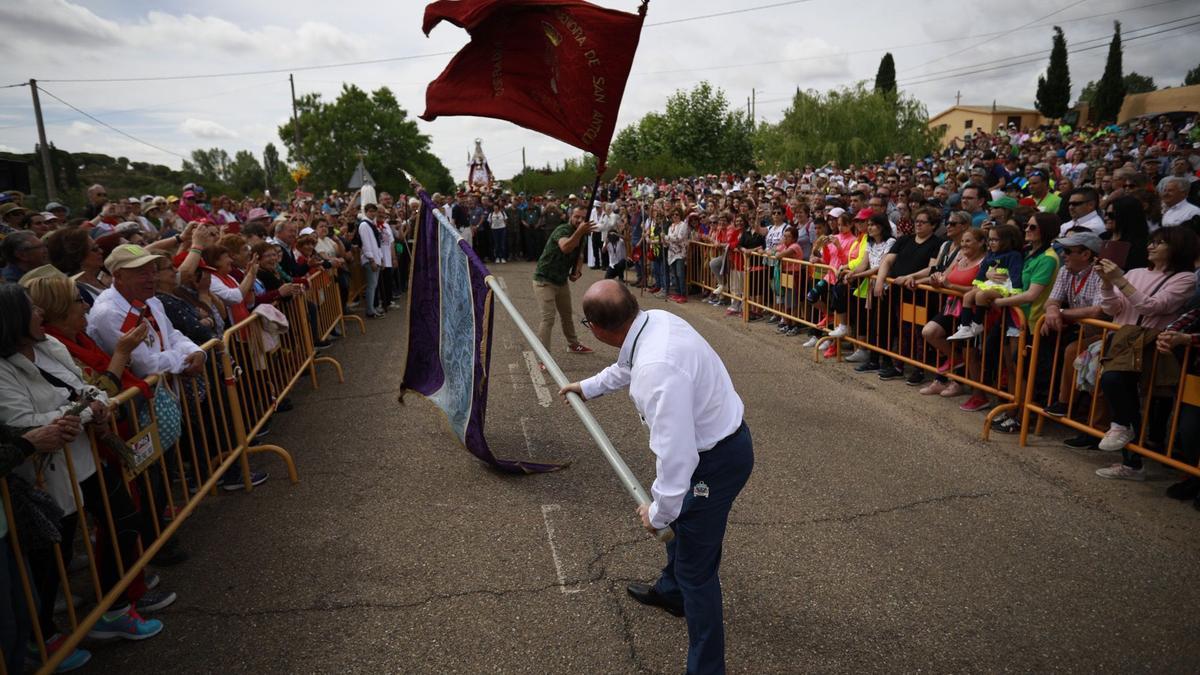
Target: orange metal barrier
(323,292)
(247,373)
(892,325)
(1085,410)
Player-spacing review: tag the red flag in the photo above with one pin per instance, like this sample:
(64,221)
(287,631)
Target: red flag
(557,67)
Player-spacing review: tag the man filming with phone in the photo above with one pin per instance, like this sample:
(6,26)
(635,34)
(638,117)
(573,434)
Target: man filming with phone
(561,261)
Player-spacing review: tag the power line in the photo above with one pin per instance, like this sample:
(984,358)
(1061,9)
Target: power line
(727,13)
(992,39)
(272,71)
(109,126)
(874,50)
(1040,55)
(1124,40)
(411,57)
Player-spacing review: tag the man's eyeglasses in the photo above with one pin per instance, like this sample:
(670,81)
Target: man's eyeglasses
(1078,203)
(587,323)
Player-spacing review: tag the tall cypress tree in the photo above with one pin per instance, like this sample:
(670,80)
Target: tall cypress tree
(1054,90)
(1110,91)
(885,77)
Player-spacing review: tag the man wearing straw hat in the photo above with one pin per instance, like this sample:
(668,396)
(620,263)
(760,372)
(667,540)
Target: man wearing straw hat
(704,454)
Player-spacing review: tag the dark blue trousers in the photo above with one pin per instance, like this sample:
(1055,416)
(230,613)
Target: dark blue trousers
(694,556)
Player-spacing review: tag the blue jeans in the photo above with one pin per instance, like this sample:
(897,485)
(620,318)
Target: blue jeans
(679,274)
(694,556)
(369,293)
(660,274)
(500,243)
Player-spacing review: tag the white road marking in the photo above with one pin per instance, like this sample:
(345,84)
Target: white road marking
(539,382)
(512,376)
(558,570)
(525,431)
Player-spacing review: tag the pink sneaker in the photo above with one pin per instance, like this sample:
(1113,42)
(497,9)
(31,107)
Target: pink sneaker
(976,403)
(934,388)
(953,389)
(579,349)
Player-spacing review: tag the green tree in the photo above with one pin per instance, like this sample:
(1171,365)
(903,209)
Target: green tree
(1192,77)
(332,136)
(1136,83)
(208,166)
(885,77)
(698,132)
(849,125)
(274,169)
(246,174)
(1110,91)
(1054,90)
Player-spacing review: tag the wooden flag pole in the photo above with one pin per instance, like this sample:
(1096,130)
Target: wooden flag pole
(630,481)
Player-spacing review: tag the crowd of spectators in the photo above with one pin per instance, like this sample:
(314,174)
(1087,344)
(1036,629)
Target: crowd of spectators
(1020,224)
(95,304)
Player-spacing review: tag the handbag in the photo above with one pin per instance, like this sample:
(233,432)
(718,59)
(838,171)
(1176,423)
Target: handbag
(36,515)
(167,414)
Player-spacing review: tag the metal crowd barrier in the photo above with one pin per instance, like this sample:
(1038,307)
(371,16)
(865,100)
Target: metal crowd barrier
(323,292)
(247,373)
(1086,411)
(891,327)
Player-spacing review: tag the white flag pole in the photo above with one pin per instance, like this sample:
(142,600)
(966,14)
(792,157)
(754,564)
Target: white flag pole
(632,486)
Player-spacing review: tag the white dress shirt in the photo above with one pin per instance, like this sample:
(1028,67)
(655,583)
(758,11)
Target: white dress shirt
(1180,213)
(371,252)
(164,350)
(1093,221)
(684,395)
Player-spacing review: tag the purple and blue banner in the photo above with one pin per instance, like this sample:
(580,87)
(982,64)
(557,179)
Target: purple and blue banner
(450,334)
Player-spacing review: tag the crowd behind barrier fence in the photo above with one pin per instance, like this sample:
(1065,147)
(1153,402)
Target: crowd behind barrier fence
(810,295)
(1076,370)
(155,465)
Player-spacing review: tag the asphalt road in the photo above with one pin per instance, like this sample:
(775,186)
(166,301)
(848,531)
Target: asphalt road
(877,534)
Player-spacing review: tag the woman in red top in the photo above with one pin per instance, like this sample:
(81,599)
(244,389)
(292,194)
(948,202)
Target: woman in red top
(736,262)
(959,277)
(233,294)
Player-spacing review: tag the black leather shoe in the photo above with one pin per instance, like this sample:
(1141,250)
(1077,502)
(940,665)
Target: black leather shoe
(647,595)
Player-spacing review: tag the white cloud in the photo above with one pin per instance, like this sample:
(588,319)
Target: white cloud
(7,148)
(206,129)
(794,46)
(81,129)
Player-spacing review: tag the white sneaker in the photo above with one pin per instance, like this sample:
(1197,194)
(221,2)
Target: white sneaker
(720,289)
(966,332)
(1117,438)
(1121,472)
(824,344)
(840,331)
(858,356)
(810,342)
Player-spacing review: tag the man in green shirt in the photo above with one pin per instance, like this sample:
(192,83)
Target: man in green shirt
(559,263)
(1039,189)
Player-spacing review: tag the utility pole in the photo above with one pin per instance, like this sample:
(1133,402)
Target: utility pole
(957,97)
(524,176)
(753,108)
(47,171)
(295,119)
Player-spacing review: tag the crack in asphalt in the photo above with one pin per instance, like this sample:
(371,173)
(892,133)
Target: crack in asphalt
(884,510)
(342,606)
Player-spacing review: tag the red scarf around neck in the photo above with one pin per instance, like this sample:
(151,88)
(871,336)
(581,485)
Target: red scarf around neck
(84,350)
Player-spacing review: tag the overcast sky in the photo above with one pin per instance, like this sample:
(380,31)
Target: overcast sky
(813,44)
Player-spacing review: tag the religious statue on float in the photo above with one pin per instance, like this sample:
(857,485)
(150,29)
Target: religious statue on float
(479,177)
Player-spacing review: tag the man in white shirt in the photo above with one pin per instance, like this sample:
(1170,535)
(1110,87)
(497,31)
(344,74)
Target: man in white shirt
(1081,204)
(371,256)
(129,302)
(683,393)
(1176,209)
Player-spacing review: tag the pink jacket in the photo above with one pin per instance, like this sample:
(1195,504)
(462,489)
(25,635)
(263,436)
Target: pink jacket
(1156,310)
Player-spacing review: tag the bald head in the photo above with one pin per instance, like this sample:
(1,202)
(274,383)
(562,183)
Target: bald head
(609,305)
